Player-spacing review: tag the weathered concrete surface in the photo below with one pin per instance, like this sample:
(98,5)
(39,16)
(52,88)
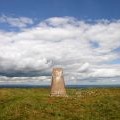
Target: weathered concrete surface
(58,84)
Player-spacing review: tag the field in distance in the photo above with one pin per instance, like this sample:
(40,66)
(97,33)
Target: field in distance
(81,104)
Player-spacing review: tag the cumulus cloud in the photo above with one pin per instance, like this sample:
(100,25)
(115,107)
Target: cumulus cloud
(19,22)
(83,49)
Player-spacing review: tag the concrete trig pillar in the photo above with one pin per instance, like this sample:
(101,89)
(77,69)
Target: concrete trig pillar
(58,84)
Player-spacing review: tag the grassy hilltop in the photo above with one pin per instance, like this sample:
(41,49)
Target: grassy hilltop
(82,104)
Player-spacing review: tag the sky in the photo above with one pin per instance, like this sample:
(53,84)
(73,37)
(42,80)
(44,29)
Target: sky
(81,36)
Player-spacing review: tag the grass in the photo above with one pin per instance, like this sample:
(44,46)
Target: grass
(82,104)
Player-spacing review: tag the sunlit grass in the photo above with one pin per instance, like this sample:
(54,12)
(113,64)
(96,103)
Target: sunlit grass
(81,104)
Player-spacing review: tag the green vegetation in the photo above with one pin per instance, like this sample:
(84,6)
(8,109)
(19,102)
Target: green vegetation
(82,104)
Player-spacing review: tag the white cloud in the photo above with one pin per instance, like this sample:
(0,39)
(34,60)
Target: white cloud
(84,67)
(20,22)
(105,72)
(64,42)
(25,80)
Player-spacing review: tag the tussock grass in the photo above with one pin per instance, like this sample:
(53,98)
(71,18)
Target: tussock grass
(81,104)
